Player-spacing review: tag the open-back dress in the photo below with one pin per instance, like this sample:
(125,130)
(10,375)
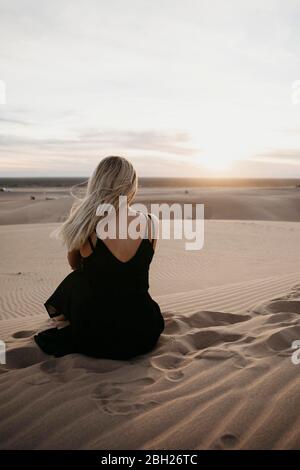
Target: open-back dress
(107,303)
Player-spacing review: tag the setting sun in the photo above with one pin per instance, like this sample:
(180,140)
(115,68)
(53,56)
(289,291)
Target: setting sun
(225,137)
(216,159)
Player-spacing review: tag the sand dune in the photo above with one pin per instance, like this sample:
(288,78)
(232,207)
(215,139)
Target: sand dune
(215,380)
(221,376)
(50,205)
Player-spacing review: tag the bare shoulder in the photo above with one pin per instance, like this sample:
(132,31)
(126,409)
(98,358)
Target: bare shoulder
(152,223)
(86,249)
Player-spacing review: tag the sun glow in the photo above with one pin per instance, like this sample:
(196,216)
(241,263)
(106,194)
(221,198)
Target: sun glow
(226,140)
(216,159)
(220,152)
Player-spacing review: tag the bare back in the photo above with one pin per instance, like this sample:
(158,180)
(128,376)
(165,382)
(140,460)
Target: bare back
(125,248)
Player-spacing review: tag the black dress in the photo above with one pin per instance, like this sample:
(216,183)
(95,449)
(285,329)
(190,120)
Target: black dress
(107,303)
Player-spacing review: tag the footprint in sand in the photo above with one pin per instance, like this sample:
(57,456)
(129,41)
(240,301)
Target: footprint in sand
(198,344)
(206,319)
(110,390)
(171,365)
(49,366)
(166,361)
(282,340)
(125,407)
(286,306)
(109,397)
(175,376)
(289,303)
(208,338)
(228,441)
(106,392)
(21,357)
(23,334)
(225,442)
(285,319)
(173,326)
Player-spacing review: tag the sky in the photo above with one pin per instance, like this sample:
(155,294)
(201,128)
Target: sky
(181,88)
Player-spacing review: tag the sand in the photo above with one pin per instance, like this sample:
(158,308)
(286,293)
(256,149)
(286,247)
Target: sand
(269,203)
(221,376)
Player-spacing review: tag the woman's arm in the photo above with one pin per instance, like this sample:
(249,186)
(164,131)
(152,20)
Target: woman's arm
(74,259)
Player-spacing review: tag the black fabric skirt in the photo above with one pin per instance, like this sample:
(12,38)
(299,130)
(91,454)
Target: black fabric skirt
(102,324)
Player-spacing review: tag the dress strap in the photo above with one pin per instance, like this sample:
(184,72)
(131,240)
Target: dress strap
(152,230)
(91,243)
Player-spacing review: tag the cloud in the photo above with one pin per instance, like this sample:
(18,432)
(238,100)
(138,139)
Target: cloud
(288,155)
(148,79)
(153,153)
(163,143)
(176,143)
(11,120)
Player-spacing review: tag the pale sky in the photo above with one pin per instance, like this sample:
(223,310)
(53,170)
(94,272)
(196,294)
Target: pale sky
(181,87)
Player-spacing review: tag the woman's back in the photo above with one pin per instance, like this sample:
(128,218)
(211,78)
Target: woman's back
(124,248)
(120,265)
(116,300)
(106,299)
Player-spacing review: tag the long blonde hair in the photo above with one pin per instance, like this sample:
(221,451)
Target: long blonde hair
(113,177)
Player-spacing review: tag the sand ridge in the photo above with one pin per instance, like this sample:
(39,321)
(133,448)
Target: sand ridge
(221,376)
(215,380)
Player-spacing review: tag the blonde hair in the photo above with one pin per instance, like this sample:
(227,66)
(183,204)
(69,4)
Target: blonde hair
(113,177)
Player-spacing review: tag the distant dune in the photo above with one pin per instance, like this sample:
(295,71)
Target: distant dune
(53,204)
(153,182)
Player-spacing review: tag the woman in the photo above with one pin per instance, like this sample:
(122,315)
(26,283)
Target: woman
(103,308)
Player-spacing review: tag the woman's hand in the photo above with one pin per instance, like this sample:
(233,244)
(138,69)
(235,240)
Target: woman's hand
(74,259)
